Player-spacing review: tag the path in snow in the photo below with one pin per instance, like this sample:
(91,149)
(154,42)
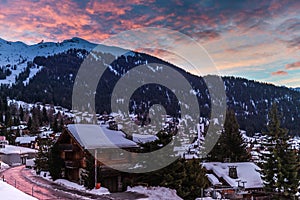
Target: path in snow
(46,190)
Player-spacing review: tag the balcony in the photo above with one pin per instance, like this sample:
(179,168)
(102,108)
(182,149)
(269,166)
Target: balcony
(66,147)
(72,164)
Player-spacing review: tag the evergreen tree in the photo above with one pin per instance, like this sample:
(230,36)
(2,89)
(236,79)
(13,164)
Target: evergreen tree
(29,123)
(55,162)
(42,158)
(178,175)
(55,127)
(230,144)
(88,175)
(21,111)
(45,119)
(280,164)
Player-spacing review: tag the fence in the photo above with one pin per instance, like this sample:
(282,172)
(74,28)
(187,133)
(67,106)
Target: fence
(33,191)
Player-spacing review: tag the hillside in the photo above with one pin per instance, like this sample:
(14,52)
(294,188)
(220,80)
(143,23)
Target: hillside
(46,73)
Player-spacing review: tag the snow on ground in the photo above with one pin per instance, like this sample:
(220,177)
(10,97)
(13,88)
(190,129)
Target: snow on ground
(8,192)
(155,193)
(3,166)
(76,186)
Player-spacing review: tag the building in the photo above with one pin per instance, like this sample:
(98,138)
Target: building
(15,155)
(239,180)
(75,139)
(26,141)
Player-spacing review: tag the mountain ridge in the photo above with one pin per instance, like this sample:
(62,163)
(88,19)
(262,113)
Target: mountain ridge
(55,74)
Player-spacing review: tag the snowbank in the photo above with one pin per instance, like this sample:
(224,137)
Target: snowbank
(76,186)
(3,165)
(155,193)
(8,192)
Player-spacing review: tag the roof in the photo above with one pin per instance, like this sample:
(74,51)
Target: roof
(140,138)
(92,136)
(246,171)
(10,149)
(25,140)
(213,180)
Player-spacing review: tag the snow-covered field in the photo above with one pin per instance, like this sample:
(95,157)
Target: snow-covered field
(155,193)
(8,192)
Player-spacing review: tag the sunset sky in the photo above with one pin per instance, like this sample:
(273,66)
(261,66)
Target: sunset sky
(253,39)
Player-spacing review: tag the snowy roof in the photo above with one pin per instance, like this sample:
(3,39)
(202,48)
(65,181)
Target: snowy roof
(45,134)
(10,193)
(140,138)
(25,140)
(213,179)
(94,136)
(10,149)
(246,171)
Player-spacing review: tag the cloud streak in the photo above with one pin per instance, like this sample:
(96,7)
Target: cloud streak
(279,73)
(291,66)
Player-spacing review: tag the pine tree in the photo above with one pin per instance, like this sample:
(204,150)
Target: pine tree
(187,177)
(41,160)
(280,163)
(230,144)
(55,162)
(88,176)
(45,119)
(21,111)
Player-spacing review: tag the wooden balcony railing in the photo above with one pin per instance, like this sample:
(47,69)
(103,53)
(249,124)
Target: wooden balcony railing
(66,147)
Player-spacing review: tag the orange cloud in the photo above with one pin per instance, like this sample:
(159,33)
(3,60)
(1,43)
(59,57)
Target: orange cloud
(279,73)
(291,66)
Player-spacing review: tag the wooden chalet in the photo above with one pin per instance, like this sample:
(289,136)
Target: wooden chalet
(105,143)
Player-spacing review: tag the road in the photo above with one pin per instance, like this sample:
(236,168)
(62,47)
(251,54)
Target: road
(42,189)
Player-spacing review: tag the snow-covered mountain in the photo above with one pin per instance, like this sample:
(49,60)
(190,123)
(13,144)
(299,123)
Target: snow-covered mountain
(16,55)
(46,73)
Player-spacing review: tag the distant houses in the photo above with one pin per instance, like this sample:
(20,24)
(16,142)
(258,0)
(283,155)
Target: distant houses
(26,141)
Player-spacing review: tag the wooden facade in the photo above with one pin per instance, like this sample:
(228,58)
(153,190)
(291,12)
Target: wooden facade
(74,156)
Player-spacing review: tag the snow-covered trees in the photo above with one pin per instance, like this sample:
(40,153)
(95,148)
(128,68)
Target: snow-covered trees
(280,162)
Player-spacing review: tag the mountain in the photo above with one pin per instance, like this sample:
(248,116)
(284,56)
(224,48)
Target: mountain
(15,56)
(46,73)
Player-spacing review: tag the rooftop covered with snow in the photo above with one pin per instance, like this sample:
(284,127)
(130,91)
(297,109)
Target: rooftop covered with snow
(10,149)
(94,136)
(246,171)
(25,140)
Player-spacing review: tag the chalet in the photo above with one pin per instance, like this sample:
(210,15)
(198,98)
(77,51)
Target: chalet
(26,141)
(15,155)
(235,180)
(75,139)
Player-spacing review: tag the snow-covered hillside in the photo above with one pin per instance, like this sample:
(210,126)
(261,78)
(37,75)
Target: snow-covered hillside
(15,55)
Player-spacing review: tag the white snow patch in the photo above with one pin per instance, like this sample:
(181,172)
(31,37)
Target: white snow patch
(76,186)
(155,193)
(8,192)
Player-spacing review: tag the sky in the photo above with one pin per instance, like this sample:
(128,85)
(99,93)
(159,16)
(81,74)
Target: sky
(254,39)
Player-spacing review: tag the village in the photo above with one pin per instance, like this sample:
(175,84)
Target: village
(73,155)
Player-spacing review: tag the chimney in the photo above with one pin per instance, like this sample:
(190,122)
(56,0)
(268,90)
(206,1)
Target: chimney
(233,172)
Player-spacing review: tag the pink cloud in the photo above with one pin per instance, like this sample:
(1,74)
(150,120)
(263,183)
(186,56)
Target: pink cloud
(291,66)
(279,73)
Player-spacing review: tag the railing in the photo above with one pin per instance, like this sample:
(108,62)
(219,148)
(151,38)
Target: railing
(72,163)
(66,147)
